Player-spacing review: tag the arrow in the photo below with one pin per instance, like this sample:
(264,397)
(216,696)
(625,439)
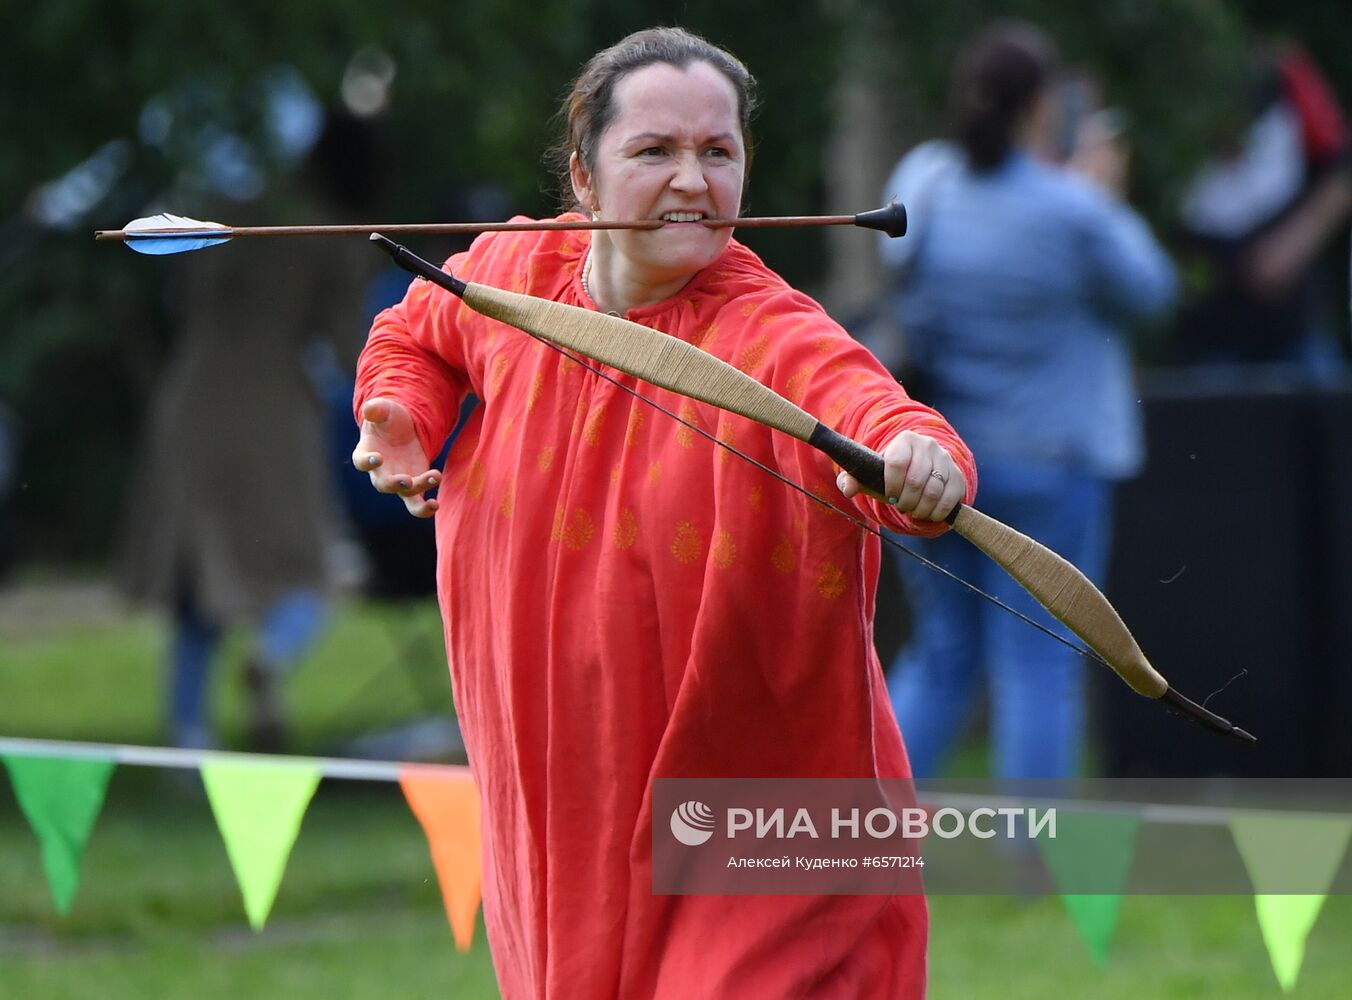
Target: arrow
(169,234)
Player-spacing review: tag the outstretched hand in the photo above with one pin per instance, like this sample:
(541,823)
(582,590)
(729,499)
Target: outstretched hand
(920,474)
(390,451)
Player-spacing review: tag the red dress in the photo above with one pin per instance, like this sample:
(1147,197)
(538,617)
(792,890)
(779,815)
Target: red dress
(625,601)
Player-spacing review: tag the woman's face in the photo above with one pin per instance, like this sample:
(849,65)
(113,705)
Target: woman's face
(673,151)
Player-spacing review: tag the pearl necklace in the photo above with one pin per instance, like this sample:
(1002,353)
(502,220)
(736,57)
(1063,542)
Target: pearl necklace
(586,276)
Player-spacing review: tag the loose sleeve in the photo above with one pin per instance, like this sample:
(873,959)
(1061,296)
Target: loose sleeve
(818,366)
(414,355)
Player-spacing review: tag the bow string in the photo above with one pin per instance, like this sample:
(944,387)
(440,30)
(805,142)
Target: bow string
(673,364)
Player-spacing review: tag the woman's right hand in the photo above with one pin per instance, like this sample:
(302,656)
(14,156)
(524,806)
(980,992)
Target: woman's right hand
(390,451)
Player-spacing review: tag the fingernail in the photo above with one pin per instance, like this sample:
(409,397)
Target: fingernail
(404,484)
(433,481)
(373,461)
(894,500)
(840,482)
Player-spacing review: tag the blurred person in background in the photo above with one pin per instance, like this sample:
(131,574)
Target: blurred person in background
(1014,289)
(1256,218)
(615,589)
(232,517)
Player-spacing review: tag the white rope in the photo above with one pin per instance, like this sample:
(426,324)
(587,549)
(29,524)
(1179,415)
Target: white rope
(329,767)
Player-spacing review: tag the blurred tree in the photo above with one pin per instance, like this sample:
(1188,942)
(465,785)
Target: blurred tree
(123,107)
(1171,65)
(118,100)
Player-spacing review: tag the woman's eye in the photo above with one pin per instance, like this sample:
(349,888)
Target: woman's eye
(719,152)
(652,151)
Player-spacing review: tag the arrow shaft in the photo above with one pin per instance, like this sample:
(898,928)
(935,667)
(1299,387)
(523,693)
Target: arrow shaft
(439,228)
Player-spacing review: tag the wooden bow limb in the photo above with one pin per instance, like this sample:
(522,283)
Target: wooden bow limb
(673,364)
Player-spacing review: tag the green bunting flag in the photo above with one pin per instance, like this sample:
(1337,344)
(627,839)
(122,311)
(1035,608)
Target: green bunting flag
(1291,861)
(62,799)
(1092,851)
(259,808)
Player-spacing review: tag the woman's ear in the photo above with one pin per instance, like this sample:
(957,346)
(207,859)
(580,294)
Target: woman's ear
(582,189)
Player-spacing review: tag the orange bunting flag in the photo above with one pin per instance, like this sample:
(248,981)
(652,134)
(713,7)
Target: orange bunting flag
(447,806)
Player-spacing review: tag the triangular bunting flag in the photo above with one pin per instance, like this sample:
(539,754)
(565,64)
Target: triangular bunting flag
(1092,851)
(258,808)
(1290,860)
(447,806)
(62,799)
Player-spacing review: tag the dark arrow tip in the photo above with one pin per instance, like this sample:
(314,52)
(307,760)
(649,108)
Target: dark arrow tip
(890,219)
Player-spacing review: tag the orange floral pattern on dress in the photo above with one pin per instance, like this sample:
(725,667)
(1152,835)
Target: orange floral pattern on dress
(474,482)
(686,545)
(724,550)
(654,472)
(508,505)
(625,532)
(785,556)
(830,492)
(634,425)
(591,428)
(831,581)
(755,496)
(536,390)
(796,386)
(727,433)
(545,458)
(752,356)
(575,531)
(704,335)
(685,437)
(501,364)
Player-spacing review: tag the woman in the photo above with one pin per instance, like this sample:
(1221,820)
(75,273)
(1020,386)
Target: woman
(622,600)
(1019,282)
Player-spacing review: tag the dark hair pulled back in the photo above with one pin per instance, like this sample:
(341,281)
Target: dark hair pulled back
(589,107)
(1000,74)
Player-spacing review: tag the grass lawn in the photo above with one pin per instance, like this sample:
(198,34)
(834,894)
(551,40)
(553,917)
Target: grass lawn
(359,913)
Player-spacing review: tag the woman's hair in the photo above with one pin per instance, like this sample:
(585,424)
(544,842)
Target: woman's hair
(1000,74)
(589,107)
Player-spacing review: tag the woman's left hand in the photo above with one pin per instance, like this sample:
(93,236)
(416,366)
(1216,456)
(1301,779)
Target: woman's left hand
(920,473)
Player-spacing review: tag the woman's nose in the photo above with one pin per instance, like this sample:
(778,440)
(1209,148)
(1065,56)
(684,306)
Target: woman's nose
(689,174)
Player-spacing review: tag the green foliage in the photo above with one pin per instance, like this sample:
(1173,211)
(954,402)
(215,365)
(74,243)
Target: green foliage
(473,97)
(1176,67)
(475,91)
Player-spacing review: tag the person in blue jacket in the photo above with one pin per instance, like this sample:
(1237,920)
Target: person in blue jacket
(1015,291)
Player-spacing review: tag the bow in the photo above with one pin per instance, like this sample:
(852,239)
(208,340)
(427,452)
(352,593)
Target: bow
(673,364)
